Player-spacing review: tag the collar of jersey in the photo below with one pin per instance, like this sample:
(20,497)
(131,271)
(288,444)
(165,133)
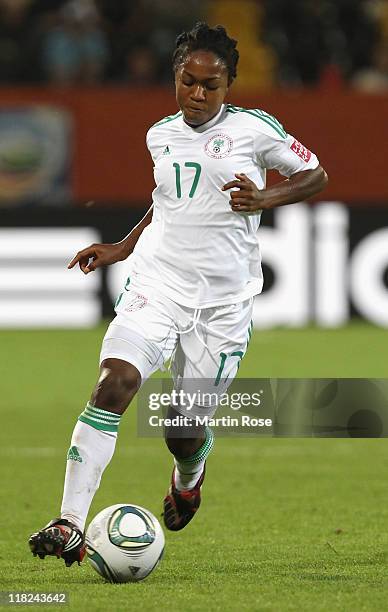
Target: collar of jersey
(205,126)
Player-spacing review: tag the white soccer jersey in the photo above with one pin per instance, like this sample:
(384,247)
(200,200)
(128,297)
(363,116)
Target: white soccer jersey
(196,250)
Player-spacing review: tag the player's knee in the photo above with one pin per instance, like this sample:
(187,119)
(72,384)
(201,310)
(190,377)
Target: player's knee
(116,386)
(183,447)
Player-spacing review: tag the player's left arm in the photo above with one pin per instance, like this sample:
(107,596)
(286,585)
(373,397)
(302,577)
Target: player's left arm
(299,186)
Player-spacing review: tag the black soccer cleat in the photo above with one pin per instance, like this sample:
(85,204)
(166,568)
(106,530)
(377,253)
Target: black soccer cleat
(181,506)
(60,538)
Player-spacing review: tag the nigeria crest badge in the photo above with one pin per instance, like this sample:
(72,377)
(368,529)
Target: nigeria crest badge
(219,146)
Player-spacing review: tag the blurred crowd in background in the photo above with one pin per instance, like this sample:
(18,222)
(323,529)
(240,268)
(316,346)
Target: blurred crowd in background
(311,43)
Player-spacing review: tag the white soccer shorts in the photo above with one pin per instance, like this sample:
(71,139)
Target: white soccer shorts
(208,344)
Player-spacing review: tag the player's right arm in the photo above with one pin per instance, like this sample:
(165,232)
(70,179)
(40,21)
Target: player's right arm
(97,255)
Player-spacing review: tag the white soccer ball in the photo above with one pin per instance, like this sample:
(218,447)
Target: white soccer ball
(124,543)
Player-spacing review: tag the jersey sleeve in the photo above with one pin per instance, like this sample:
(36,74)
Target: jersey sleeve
(283,153)
(149,144)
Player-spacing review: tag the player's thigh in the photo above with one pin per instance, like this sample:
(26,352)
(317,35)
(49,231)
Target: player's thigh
(142,333)
(224,335)
(211,361)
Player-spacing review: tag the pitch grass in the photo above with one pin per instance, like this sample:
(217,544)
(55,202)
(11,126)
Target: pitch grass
(286,524)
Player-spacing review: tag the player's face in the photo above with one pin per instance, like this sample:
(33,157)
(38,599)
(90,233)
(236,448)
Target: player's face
(201,83)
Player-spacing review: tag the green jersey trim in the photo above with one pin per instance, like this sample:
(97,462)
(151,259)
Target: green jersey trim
(168,118)
(259,114)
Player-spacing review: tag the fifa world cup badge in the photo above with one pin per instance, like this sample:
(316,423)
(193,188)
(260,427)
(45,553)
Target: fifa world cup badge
(136,301)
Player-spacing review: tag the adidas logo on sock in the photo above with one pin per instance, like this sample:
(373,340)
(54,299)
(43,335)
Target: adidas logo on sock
(73,454)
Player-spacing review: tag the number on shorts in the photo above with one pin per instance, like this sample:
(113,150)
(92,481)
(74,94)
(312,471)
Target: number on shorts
(224,357)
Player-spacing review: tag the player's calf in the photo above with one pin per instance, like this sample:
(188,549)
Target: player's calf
(184,495)
(117,384)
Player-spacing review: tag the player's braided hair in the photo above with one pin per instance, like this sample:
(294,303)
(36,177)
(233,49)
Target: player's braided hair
(203,37)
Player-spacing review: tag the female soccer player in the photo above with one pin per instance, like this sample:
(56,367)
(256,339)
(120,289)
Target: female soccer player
(194,270)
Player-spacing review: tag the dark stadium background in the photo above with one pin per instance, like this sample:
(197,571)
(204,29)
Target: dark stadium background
(73,125)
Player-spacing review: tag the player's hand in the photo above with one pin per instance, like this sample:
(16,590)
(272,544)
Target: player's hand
(97,255)
(249,198)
